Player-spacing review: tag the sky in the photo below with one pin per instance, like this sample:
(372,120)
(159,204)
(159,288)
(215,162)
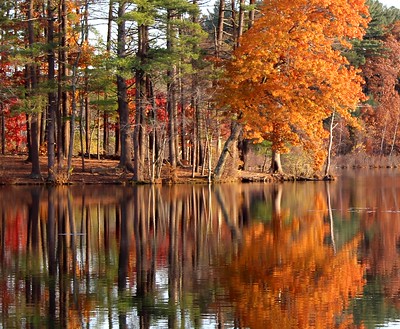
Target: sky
(389,3)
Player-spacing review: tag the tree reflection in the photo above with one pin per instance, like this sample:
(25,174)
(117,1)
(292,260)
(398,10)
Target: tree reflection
(285,276)
(175,256)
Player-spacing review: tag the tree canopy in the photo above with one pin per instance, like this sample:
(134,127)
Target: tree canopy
(170,82)
(288,74)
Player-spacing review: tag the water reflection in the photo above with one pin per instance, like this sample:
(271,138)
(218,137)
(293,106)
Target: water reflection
(287,276)
(312,255)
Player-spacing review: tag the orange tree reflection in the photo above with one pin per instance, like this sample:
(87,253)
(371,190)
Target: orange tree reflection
(287,276)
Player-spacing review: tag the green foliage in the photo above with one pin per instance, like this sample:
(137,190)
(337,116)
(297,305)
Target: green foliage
(382,20)
(30,104)
(263,148)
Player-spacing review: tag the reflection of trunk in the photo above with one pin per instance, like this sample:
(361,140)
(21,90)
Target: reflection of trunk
(33,291)
(62,257)
(172,262)
(123,257)
(73,248)
(51,262)
(235,232)
(229,144)
(145,274)
(328,198)
(276,208)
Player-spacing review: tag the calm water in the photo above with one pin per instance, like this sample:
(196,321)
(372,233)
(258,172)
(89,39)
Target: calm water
(293,255)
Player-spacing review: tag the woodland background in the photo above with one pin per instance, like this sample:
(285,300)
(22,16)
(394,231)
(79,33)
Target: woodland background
(164,85)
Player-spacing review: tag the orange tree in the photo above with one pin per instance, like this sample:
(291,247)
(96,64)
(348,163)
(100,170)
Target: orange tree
(288,74)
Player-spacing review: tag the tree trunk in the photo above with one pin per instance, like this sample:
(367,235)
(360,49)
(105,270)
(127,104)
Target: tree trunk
(276,165)
(138,132)
(106,128)
(62,110)
(85,38)
(220,28)
(234,24)
(74,83)
(51,121)
(228,147)
(252,13)
(34,127)
(241,22)
(396,127)
(328,158)
(171,93)
(182,119)
(123,110)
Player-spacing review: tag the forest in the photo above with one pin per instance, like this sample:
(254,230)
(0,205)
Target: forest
(267,85)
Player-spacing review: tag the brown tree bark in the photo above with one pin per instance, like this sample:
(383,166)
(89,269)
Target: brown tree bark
(34,126)
(171,93)
(138,132)
(228,149)
(252,13)
(276,165)
(123,110)
(241,22)
(52,99)
(62,108)
(220,27)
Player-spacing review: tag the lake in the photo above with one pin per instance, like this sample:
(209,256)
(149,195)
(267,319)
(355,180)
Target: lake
(291,255)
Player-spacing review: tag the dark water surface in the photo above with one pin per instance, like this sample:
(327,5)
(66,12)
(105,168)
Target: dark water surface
(293,255)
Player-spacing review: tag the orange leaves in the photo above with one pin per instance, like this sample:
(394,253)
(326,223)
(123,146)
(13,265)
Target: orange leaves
(287,72)
(286,275)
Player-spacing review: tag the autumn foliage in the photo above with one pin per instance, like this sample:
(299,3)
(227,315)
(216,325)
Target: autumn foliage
(382,77)
(287,276)
(288,74)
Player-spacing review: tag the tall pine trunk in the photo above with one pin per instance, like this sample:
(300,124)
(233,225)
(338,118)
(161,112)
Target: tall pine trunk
(141,96)
(125,161)
(62,108)
(52,99)
(171,92)
(34,127)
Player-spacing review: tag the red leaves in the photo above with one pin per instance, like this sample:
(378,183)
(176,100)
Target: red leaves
(15,134)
